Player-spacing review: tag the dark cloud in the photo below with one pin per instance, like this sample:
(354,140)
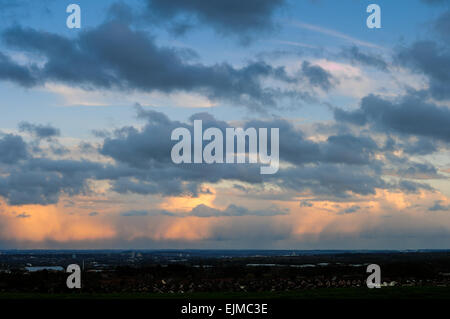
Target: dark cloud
(341,165)
(413,187)
(232,17)
(12,149)
(147,167)
(317,76)
(410,116)
(432,60)
(59,150)
(86,147)
(356,56)
(113,56)
(297,149)
(332,179)
(419,171)
(439,207)
(149,154)
(39,130)
(422,146)
(145,185)
(11,71)
(43,181)
(141,148)
(349,149)
(305,203)
(206,211)
(144,165)
(350,210)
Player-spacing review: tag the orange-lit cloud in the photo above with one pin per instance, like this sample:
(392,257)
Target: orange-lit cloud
(187,203)
(50,223)
(384,211)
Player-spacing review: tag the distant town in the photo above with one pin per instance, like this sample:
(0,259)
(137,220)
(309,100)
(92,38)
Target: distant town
(200,271)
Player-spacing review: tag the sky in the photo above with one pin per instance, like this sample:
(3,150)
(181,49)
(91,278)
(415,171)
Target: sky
(87,114)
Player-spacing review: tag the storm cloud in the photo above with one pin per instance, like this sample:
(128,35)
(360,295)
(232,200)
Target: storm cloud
(432,60)
(11,71)
(114,56)
(338,166)
(39,130)
(43,181)
(12,149)
(232,17)
(317,76)
(410,115)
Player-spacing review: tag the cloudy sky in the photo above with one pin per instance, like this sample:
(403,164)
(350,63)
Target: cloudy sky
(87,114)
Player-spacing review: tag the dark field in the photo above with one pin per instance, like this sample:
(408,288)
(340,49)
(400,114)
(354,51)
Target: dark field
(201,275)
(387,293)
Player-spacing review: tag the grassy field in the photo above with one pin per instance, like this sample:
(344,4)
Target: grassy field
(324,293)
